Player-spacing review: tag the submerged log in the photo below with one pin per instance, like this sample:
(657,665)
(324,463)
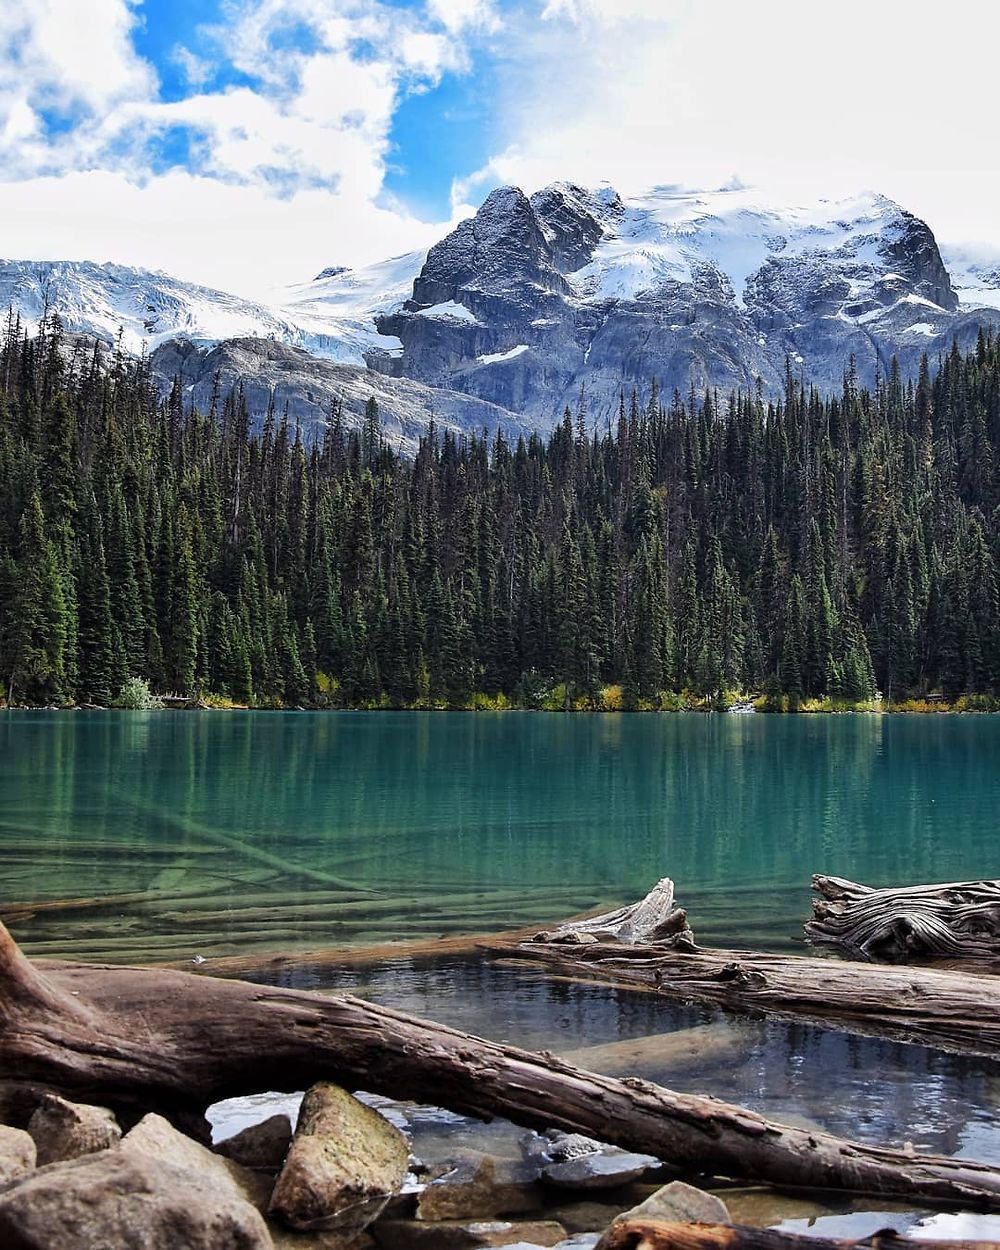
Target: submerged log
(956,1011)
(959,921)
(658,1235)
(143,1039)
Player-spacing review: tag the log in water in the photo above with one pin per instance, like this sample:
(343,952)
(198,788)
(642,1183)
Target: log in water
(958,921)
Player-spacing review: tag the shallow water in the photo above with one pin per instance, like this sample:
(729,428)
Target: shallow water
(166,835)
(219,833)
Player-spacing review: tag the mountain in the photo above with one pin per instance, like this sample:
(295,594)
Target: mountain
(505,318)
(534,296)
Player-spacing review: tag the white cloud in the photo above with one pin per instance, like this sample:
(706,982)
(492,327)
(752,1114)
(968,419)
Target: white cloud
(236,238)
(283,171)
(799,97)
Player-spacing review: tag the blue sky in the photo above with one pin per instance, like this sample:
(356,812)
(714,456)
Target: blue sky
(248,143)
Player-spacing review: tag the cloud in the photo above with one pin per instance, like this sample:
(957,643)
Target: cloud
(801,98)
(269,167)
(233,237)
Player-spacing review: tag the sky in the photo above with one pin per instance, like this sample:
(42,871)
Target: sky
(247,144)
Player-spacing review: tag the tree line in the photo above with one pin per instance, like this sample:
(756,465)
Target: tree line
(840,548)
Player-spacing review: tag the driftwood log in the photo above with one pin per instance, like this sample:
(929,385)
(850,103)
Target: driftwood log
(659,1235)
(653,919)
(959,921)
(953,1010)
(956,1011)
(145,1039)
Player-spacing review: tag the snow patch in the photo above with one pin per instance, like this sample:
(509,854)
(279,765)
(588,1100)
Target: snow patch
(451,310)
(495,358)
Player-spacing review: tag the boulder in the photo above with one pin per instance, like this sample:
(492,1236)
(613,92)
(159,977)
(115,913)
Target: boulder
(345,1163)
(676,1203)
(603,1170)
(470,1191)
(262,1146)
(17,1154)
(465,1235)
(157,1138)
(112,1200)
(65,1130)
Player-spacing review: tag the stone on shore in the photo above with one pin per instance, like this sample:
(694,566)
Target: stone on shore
(676,1203)
(17,1154)
(157,1138)
(113,1200)
(345,1162)
(476,1192)
(64,1130)
(262,1146)
(465,1235)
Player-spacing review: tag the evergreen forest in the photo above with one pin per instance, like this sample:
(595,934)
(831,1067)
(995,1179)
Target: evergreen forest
(817,551)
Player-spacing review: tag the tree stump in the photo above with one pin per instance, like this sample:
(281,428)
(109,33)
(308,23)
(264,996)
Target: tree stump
(958,921)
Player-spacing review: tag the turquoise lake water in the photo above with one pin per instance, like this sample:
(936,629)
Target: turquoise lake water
(169,835)
(221,833)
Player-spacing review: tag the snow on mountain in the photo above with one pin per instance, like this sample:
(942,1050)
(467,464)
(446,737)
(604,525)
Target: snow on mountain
(975,274)
(148,308)
(343,303)
(533,296)
(669,234)
(332,317)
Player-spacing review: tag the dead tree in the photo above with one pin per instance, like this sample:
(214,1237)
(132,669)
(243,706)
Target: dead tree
(960,921)
(142,1039)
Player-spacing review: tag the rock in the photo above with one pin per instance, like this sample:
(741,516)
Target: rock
(604,1170)
(459,1235)
(469,1192)
(17,1154)
(677,1203)
(555,1146)
(157,1138)
(112,1200)
(288,1239)
(65,1130)
(344,1164)
(261,1146)
(586,1215)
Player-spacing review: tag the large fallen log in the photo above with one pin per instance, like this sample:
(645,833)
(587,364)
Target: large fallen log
(956,1011)
(658,1235)
(958,921)
(157,1039)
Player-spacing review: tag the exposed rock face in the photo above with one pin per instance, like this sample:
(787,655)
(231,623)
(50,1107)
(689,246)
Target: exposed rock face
(65,1130)
(503,319)
(275,375)
(344,1164)
(477,1192)
(17,1154)
(118,1201)
(700,291)
(679,1203)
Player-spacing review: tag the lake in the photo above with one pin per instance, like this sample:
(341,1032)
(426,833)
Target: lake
(169,835)
(219,833)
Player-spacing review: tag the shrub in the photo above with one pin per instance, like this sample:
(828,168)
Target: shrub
(136,696)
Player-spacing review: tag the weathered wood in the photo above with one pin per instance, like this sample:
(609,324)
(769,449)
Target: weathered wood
(653,919)
(957,1011)
(156,1039)
(960,920)
(660,1235)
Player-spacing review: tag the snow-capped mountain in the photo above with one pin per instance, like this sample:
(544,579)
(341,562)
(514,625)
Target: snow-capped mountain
(332,317)
(573,286)
(533,296)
